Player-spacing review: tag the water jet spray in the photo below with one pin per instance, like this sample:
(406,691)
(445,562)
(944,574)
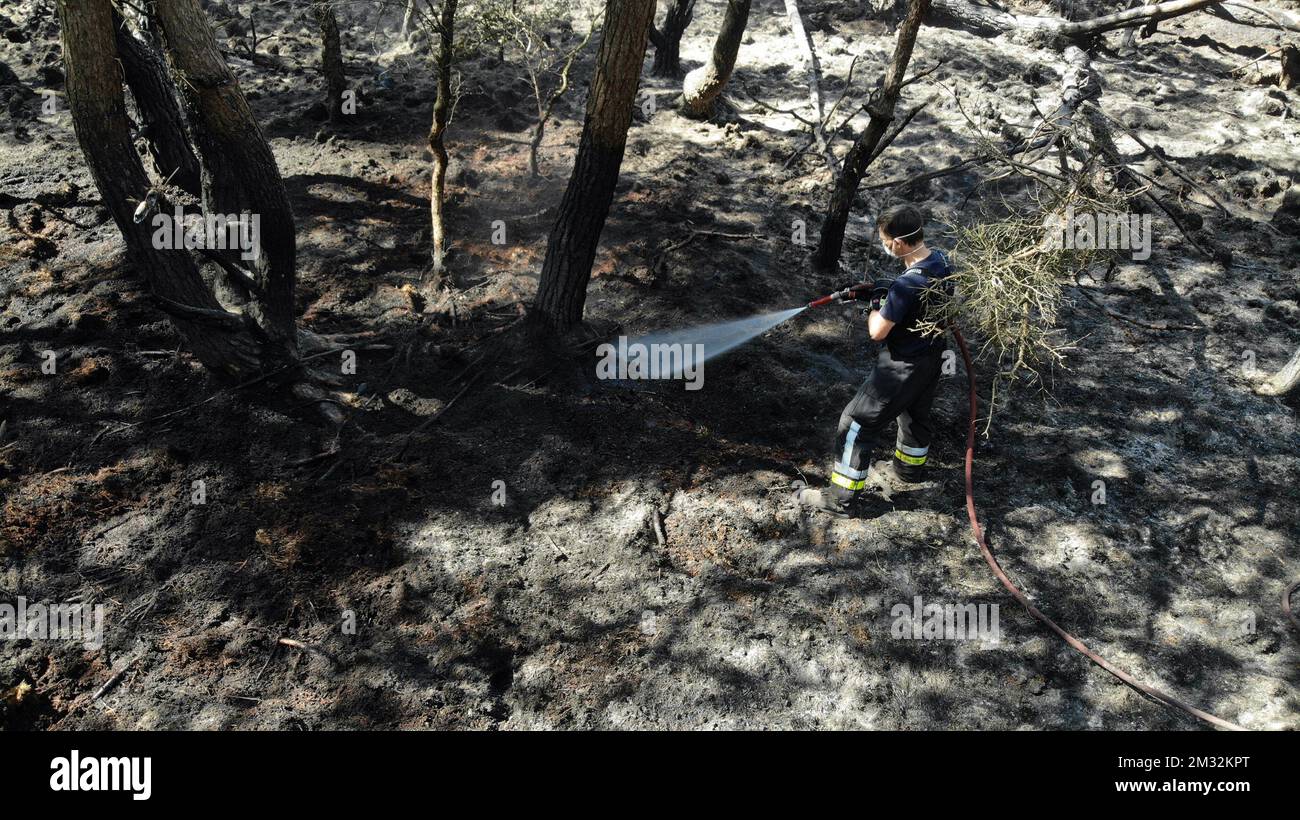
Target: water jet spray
(713,340)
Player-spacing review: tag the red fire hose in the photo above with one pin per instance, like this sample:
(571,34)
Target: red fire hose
(1151,692)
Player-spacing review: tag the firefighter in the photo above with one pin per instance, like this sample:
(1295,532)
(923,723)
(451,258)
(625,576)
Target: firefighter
(904,381)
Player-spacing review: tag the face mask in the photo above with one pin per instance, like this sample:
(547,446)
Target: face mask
(885,244)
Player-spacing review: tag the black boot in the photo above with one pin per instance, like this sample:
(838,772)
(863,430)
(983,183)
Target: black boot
(905,472)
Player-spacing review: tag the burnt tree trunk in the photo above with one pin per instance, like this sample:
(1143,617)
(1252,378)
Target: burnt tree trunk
(1288,67)
(160,115)
(977,18)
(668,40)
(239,172)
(881,109)
(1130,35)
(331,57)
(703,85)
(571,247)
(222,341)
(437,141)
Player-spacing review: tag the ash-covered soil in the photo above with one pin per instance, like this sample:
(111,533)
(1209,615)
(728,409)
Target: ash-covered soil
(564,608)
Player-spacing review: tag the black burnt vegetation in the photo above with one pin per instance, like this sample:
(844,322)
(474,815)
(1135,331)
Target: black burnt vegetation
(351,466)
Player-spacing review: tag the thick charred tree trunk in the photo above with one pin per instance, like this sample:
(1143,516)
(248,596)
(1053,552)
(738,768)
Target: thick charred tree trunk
(668,40)
(1285,380)
(704,84)
(331,57)
(160,115)
(881,109)
(976,18)
(437,142)
(240,175)
(222,341)
(571,248)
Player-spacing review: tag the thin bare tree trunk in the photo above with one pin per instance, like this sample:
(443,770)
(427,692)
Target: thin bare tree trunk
(703,85)
(408,19)
(571,247)
(545,110)
(331,57)
(881,109)
(668,40)
(437,142)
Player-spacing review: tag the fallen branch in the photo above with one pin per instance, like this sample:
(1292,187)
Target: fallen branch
(656,266)
(114,679)
(1127,182)
(1168,166)
(249,383)
(1078,85)
(1114,314)
(947,170)
(1284,380)
(302,462)
(1263,56)
(809,56)
(309,647)
(1277,17)
(435,416)
(657,524)
(989,20)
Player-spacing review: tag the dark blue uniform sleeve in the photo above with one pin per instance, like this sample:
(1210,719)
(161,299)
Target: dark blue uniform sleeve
(902,299)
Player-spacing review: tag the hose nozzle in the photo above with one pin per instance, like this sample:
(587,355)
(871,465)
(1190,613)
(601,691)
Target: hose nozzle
(848,294)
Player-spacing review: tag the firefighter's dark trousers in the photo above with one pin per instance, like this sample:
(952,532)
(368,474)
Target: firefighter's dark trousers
(898,388)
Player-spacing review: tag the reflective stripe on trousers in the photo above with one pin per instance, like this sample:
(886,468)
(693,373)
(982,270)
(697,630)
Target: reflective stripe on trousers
(896,388)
